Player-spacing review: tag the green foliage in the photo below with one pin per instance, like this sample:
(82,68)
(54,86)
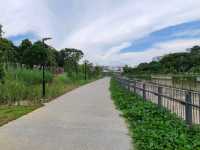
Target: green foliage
(23,47)
(13,91)
(24,85)
(9,113)
(17,83)
(153,128)
(30,76)
(7,51)
(39,54)
(1,31)
(69,59)
(172,63)
(2,73)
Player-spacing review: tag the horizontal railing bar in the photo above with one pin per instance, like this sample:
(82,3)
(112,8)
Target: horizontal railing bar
(164,96)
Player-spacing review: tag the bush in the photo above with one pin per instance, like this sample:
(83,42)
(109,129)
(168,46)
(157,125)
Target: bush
(29,76)
(153,128)
(13,91)
(2,73)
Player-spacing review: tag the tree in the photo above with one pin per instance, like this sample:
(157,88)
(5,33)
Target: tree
(7,51)
(195,50)
(69,58)
(172,63)
(97,71)
(176,62)
(25,45)
(2,73)
(36,55)
(127,69)
(1,31)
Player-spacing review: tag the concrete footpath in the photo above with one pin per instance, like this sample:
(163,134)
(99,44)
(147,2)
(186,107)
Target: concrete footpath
(83,119)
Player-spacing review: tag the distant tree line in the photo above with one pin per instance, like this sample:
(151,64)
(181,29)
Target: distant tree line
(183,62)
(29,55)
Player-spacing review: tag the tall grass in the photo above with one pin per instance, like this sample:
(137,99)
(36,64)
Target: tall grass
(28,76)
(23,86)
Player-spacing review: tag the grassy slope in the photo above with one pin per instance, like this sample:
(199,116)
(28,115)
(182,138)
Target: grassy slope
(153,128)
(55,89)
(9,113)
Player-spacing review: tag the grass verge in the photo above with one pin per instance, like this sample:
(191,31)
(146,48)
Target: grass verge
(59,86)
(153,128)
(9,113)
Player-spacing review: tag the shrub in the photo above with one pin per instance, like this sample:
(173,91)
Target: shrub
(29,76)
(2,73)
(33,76)
(154,128)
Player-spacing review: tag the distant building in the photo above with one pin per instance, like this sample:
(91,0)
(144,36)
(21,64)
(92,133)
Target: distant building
(116,69)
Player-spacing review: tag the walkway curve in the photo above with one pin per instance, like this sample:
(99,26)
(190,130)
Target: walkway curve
(83,119)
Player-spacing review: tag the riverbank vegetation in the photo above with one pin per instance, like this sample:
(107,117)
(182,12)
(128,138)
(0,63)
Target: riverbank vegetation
(153,128)
(9,113)
(175,63)
(21,74)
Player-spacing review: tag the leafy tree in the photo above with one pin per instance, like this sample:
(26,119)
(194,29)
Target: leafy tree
(25,45)
(177,62)
(7,51)
(36,55)
(127,69)
(172,63)
(2,73)
(97,71)
(195,50)
(69,58)
(1,31)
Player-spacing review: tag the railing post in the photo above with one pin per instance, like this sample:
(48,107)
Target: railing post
(159,96)
(188,108)
(134,86)
(144,91)
(129,89)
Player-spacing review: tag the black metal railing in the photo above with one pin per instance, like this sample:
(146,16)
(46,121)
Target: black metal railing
(184,103)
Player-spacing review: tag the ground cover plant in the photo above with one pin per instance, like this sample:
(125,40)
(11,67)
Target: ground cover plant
(9,113)
(153,128)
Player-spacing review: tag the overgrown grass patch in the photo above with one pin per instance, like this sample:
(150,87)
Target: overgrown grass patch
(154,128)
(15,92)
(9,113)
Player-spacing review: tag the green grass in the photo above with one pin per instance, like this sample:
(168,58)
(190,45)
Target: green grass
(16,91)
(28,76)
(26,85)
(9,113)
(153,128)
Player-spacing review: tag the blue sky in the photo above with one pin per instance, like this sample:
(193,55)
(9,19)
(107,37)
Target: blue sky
(110,32)
(189,30)
(18,38)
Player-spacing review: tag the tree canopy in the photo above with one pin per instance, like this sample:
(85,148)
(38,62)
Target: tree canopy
(172,63)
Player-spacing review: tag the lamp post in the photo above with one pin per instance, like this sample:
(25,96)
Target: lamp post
(85,65)
(43,70)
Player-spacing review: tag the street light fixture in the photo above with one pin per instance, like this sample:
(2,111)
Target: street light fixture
(85,69)
(43,69)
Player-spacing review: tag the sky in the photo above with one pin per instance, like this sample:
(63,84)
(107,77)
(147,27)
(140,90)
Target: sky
(110,32)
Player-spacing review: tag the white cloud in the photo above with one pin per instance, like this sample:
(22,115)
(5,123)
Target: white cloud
(160,49)
(97,27)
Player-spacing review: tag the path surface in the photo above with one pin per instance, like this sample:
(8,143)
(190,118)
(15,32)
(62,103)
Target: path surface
(84,119)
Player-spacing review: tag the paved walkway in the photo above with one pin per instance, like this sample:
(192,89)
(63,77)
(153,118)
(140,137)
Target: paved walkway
(84,119)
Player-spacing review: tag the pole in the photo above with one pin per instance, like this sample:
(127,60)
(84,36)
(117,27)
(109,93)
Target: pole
(43,69)
(188,108)
(144,91)
(43,81)
(159,96)
(85,71)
